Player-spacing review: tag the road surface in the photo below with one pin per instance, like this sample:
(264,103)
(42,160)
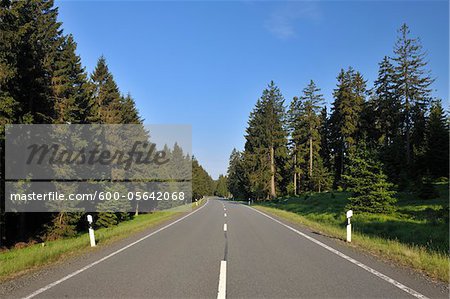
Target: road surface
(224,249)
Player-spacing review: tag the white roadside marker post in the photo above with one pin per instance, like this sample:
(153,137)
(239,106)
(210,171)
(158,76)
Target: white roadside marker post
(249,201)
(91,231)
(349,226)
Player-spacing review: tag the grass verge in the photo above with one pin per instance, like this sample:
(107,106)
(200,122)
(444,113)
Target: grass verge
(16,262)
(434,264)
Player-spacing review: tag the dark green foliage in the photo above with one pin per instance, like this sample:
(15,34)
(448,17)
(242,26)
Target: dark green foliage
(29,42)
(437,141)
(62,225)
(325,149)
(237,181)
(345,119)
(265,154)
(385,108)
(298,145)
(130,114)
(321,177)
(106,219)
(308,126)
(202,183)
(412,87)
(425,188)
(106,101)
(69,84)
(371,192)
(221,186)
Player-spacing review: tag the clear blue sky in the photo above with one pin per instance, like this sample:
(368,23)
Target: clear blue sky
(206,63)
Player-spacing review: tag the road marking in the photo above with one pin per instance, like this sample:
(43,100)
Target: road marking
(351,260)
(222,291)
(225,227)
(51,285)
(225,215)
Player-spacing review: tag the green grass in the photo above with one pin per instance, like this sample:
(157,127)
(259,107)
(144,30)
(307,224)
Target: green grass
(415,235)
(16,262)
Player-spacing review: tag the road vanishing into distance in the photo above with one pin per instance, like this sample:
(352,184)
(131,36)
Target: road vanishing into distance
(224,249)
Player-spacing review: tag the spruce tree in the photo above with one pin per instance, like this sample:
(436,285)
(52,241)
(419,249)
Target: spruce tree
(437,138)
(106,99)
(371,192)
(312,101)
(221,186)
(28,44)
(387,107)
(321,177)
(298,144)
(266,144)
(106,106)
(69,85)
(202,183)
(305,126)
(412,83)
(130,114)
(325,150)
(345,119)
(30,36)
(237,182)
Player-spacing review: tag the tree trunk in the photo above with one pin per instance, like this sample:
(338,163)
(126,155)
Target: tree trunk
(295,171)
(310,156)
(272,170)
(408,125)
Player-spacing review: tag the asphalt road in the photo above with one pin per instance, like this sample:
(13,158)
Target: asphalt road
(225,249)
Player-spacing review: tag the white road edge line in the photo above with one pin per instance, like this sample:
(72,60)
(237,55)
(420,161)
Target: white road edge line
(351,260)
(222,291)
(225,227)
(51,285)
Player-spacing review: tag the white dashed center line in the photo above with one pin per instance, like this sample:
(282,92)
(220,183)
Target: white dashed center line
(222,292)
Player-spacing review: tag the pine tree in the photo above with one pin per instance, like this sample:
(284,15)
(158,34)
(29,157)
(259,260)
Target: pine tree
(202,183)
(321,177)
(325,150)
(387,107)
(69,85)
(418,142)
(30,36)
(371,192)
(106,100)
(130,114)
(305,124)
(437,138)
(345,122)
(106,107)
(29,40)
(237,181)
(412,83)
(221,186)
(266,144)
(298,144)
(69,93)
(312,101)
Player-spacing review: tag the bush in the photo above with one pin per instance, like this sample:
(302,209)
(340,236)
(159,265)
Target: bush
(426,189)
